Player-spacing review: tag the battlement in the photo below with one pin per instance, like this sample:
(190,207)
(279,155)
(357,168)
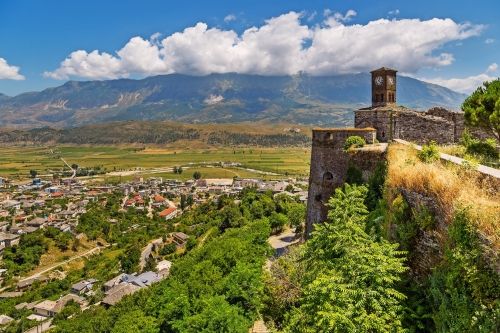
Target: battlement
(335,137)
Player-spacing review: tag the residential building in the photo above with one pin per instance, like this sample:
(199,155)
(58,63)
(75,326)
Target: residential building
(82,286)
(180,238)
(168,213)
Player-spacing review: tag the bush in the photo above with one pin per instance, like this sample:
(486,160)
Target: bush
(429,153)
(485,148)
(354,142)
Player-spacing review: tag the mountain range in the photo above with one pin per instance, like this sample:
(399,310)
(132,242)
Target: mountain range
(216,98)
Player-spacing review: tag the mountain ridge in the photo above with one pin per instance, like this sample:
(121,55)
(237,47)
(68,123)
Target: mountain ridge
(214,98)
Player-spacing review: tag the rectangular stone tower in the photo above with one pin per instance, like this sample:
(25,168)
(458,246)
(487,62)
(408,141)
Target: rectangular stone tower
(383,87)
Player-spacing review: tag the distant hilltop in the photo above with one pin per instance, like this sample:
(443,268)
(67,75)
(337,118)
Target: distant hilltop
(326,101)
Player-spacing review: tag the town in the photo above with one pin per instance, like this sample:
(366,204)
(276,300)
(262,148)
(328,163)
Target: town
(60,209)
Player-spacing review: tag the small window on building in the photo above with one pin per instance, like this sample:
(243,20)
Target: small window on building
(381,97)
(327,176)
(383,134)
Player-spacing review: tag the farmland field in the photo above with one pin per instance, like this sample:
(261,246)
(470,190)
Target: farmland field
(125,162)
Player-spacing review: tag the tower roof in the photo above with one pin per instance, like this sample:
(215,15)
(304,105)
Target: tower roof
(384,69)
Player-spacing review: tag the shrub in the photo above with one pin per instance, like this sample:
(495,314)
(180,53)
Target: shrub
(469,163)
(485,148)
(429,153)
(354,176)
(354,142)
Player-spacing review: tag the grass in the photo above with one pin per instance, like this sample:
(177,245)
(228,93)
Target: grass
(16,162)
(460,151)
(450,185)
(54,255)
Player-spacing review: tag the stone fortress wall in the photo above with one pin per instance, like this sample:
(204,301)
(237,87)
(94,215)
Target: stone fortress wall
(384,121)
(329,167)
(438,124)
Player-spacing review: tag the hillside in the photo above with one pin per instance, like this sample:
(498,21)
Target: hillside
(216,98)
(164,134)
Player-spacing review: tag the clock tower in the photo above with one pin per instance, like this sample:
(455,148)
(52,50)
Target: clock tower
(383,87)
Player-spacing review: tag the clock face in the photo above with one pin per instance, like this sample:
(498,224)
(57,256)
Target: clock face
(391,80)
(379,80)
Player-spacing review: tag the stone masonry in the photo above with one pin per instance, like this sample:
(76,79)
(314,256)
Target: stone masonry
(384,121)
(329,167)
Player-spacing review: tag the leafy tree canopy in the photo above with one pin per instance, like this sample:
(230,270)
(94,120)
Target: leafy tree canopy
(482,108)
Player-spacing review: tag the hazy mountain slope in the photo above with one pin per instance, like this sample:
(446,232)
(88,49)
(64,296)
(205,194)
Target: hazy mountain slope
(215,98)
(164,134)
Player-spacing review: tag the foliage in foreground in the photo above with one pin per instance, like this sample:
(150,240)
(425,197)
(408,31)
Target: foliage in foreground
(429,153)
(347,282)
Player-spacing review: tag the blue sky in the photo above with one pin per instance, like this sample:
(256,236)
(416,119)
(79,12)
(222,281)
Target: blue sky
(45,43)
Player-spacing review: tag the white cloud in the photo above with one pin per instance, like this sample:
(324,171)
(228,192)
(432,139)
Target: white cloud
(465,85)
(312,16)
(346,17)
(230,17)
(327,12)
(277,48)
(394,12)
(492,68)
(489,41)
(8,72)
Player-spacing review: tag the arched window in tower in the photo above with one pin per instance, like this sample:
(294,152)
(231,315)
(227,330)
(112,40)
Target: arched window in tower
(381,97)
(383,134)
(327,176)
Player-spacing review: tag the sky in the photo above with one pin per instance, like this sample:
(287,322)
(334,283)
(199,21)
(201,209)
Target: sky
(46,43)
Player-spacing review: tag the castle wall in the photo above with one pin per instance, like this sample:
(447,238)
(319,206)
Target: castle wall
(329,168)
(378,119)
(419,127)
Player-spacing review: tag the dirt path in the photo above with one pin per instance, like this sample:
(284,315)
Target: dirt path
(40,327)
(63,262)
(69,166)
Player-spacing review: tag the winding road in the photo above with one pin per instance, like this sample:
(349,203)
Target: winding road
(69,166)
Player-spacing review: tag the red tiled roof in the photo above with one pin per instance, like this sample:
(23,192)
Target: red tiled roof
(167,211)
(57,194)
(159,198)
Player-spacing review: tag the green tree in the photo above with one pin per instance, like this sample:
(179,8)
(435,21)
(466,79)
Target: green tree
(482,108)
(130,260)
(74,166)
(62,241)
(136,321)
(33,173)
(168,249)
(277,221)
(179,170)
(76,244)
(197,175)
(354,141)
(150,264)
(351,278)
(296,214)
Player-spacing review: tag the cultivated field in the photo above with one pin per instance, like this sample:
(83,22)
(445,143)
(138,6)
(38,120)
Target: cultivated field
(127,162)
